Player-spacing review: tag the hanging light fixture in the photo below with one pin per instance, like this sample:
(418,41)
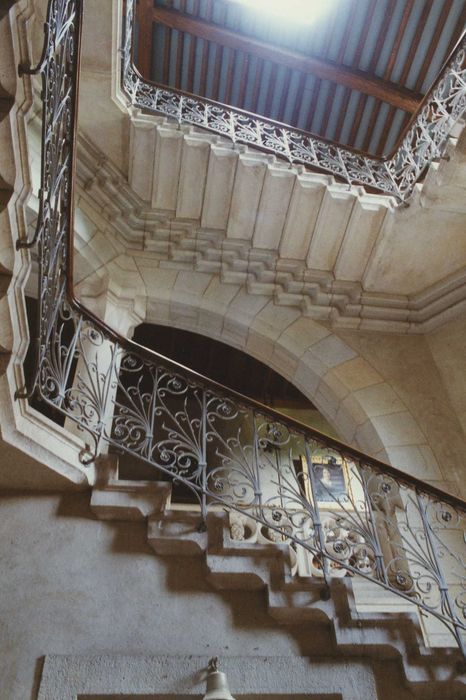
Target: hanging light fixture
(217,684)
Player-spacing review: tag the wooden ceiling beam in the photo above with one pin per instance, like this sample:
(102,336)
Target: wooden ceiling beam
(357,80)
(144,13)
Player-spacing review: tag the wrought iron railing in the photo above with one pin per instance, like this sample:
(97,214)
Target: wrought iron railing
(351,513)
(423,140)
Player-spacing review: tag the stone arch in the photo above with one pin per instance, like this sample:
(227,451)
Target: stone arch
(366,409)
(363,407)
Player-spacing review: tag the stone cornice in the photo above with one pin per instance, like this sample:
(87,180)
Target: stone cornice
(180,244)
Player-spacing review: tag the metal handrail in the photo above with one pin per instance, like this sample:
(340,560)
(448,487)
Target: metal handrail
(350,512)
(422,141)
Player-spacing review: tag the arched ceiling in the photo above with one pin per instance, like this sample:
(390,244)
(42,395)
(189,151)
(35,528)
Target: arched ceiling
(354,77)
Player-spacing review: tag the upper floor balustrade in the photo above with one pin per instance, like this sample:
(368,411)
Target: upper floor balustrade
(423,140)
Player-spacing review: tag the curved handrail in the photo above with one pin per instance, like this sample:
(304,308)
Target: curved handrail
(396,174)
(371,520)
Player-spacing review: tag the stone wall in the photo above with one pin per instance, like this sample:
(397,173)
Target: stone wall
(448,347)
(428,440)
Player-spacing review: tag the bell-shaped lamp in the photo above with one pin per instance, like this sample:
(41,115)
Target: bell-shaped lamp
(217,684)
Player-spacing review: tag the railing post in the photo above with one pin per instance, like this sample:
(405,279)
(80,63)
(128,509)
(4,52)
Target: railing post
(318,521)
(443,586)
(258,491)
(372,522)
(203,464)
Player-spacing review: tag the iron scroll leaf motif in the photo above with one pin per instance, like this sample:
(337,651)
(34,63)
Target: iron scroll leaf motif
(228,451)
(395,175)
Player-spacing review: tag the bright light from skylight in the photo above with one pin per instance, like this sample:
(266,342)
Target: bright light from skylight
(296,11)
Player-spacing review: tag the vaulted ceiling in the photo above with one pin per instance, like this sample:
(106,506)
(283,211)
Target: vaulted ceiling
(354,77)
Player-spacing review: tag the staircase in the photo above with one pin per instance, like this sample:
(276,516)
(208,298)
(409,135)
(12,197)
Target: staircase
(253,198)
(362,620)
(87,369)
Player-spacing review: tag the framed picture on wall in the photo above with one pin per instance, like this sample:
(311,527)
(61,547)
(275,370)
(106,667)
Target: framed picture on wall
(330,479)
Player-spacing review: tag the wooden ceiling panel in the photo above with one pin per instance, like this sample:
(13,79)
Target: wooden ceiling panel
(355,78)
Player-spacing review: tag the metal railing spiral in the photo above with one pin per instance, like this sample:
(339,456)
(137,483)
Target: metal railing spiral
(354,515)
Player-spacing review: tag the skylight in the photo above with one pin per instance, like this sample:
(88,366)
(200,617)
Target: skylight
(295,11)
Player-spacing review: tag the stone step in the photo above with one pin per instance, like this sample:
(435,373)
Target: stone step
(247,189)
(364,617)
(194,163)
(273,207)
(218,187)
(167,164)
(255,198)
(306,200)
(332,220)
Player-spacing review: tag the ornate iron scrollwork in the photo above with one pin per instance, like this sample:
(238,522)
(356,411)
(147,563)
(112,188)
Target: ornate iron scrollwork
(354,515)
